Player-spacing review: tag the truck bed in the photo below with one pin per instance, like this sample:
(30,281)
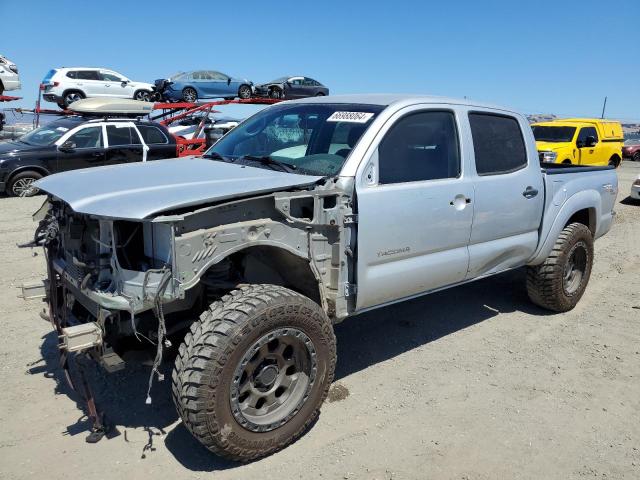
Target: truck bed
(590,191)
(556,168)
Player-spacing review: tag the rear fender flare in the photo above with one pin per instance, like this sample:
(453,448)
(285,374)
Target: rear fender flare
(586,199)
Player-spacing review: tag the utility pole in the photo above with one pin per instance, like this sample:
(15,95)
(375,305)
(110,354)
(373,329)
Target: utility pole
(604,106)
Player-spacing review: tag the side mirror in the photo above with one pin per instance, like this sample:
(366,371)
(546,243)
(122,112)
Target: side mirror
(124,82)
(67,147)
(229,81)
(591,141)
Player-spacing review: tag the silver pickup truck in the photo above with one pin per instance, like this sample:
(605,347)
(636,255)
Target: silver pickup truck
(307,213)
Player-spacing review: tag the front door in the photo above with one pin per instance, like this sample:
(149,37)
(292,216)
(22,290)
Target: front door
(82,149)
(509,195)
(295,88)
(587,151)
(414,211)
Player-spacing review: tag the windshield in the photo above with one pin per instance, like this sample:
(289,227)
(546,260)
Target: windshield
(45,135)
(279,80)
(553,134)
(632,141)
(312,138)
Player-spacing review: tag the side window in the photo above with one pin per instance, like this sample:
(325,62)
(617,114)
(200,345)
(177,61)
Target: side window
(584,133)
(152,135)
(420,146)
(218,77)
(110,77)
(87,75)
(90,137)
(297,81)
(72,74)
(498,144)
(121,136)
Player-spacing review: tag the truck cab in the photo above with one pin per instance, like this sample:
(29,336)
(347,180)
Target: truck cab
(579,141)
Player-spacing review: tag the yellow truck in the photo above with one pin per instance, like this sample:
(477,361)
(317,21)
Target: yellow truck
(579,141)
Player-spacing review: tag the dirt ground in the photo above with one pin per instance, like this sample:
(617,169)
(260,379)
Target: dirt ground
(471,383)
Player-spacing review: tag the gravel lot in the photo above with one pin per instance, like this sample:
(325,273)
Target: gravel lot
(471,383)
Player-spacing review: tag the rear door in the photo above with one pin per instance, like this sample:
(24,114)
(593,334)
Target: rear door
(159,144)
(88,150)
(509,193)
(90,82)
(415,207)
(124,145)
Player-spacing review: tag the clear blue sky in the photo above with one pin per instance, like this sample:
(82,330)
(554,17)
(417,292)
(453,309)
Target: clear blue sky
(538,56)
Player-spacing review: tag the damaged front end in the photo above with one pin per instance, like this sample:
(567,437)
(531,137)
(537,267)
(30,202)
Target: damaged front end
(110,274)
(108,281)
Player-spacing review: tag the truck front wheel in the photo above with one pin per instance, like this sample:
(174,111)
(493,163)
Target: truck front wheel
(559,282)
(252,373)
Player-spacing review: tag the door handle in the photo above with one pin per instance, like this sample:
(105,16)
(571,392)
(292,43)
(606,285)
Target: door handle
(459,202)
(530,192)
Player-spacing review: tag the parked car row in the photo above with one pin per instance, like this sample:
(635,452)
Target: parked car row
(66,85)
(206,84)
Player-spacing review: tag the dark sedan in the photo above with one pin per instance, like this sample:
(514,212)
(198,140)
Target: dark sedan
(291,87)
(631,149)
(75,142)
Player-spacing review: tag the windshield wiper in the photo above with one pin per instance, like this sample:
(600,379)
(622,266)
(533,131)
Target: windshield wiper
(269,161)
(217,156)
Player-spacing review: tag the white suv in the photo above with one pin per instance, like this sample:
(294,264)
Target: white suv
(66,85)
(9,78)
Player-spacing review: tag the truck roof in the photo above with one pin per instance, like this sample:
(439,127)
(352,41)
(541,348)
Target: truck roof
(574,121)
(386,99)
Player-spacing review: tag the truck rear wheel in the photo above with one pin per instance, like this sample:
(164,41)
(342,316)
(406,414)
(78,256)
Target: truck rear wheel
(559,282)
(252,373)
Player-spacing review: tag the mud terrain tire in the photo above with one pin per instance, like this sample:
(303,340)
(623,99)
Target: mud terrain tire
(238,331)
(559,282)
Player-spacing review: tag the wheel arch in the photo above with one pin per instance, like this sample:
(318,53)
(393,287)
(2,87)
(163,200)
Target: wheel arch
(584,207)
(617,159)
(138,90)
(268,262)
(26,168)
(70,90)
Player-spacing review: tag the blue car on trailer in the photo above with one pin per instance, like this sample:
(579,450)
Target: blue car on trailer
(201,84)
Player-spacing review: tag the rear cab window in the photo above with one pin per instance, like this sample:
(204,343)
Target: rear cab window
(498,143)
